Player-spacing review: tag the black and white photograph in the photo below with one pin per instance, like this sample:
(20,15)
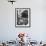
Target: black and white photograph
(22,17)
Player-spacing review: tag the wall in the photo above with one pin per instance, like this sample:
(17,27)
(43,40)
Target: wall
(38,17)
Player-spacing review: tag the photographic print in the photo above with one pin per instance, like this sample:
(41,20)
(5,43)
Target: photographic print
(22,17)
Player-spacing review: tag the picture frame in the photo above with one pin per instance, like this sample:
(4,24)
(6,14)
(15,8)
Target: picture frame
(22,17)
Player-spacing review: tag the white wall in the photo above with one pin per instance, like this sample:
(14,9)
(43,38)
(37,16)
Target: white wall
(37,30)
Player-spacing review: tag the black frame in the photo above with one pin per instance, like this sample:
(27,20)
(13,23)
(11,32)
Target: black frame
(29,18)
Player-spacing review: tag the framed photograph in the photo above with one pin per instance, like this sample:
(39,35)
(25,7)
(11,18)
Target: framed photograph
(22,17)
